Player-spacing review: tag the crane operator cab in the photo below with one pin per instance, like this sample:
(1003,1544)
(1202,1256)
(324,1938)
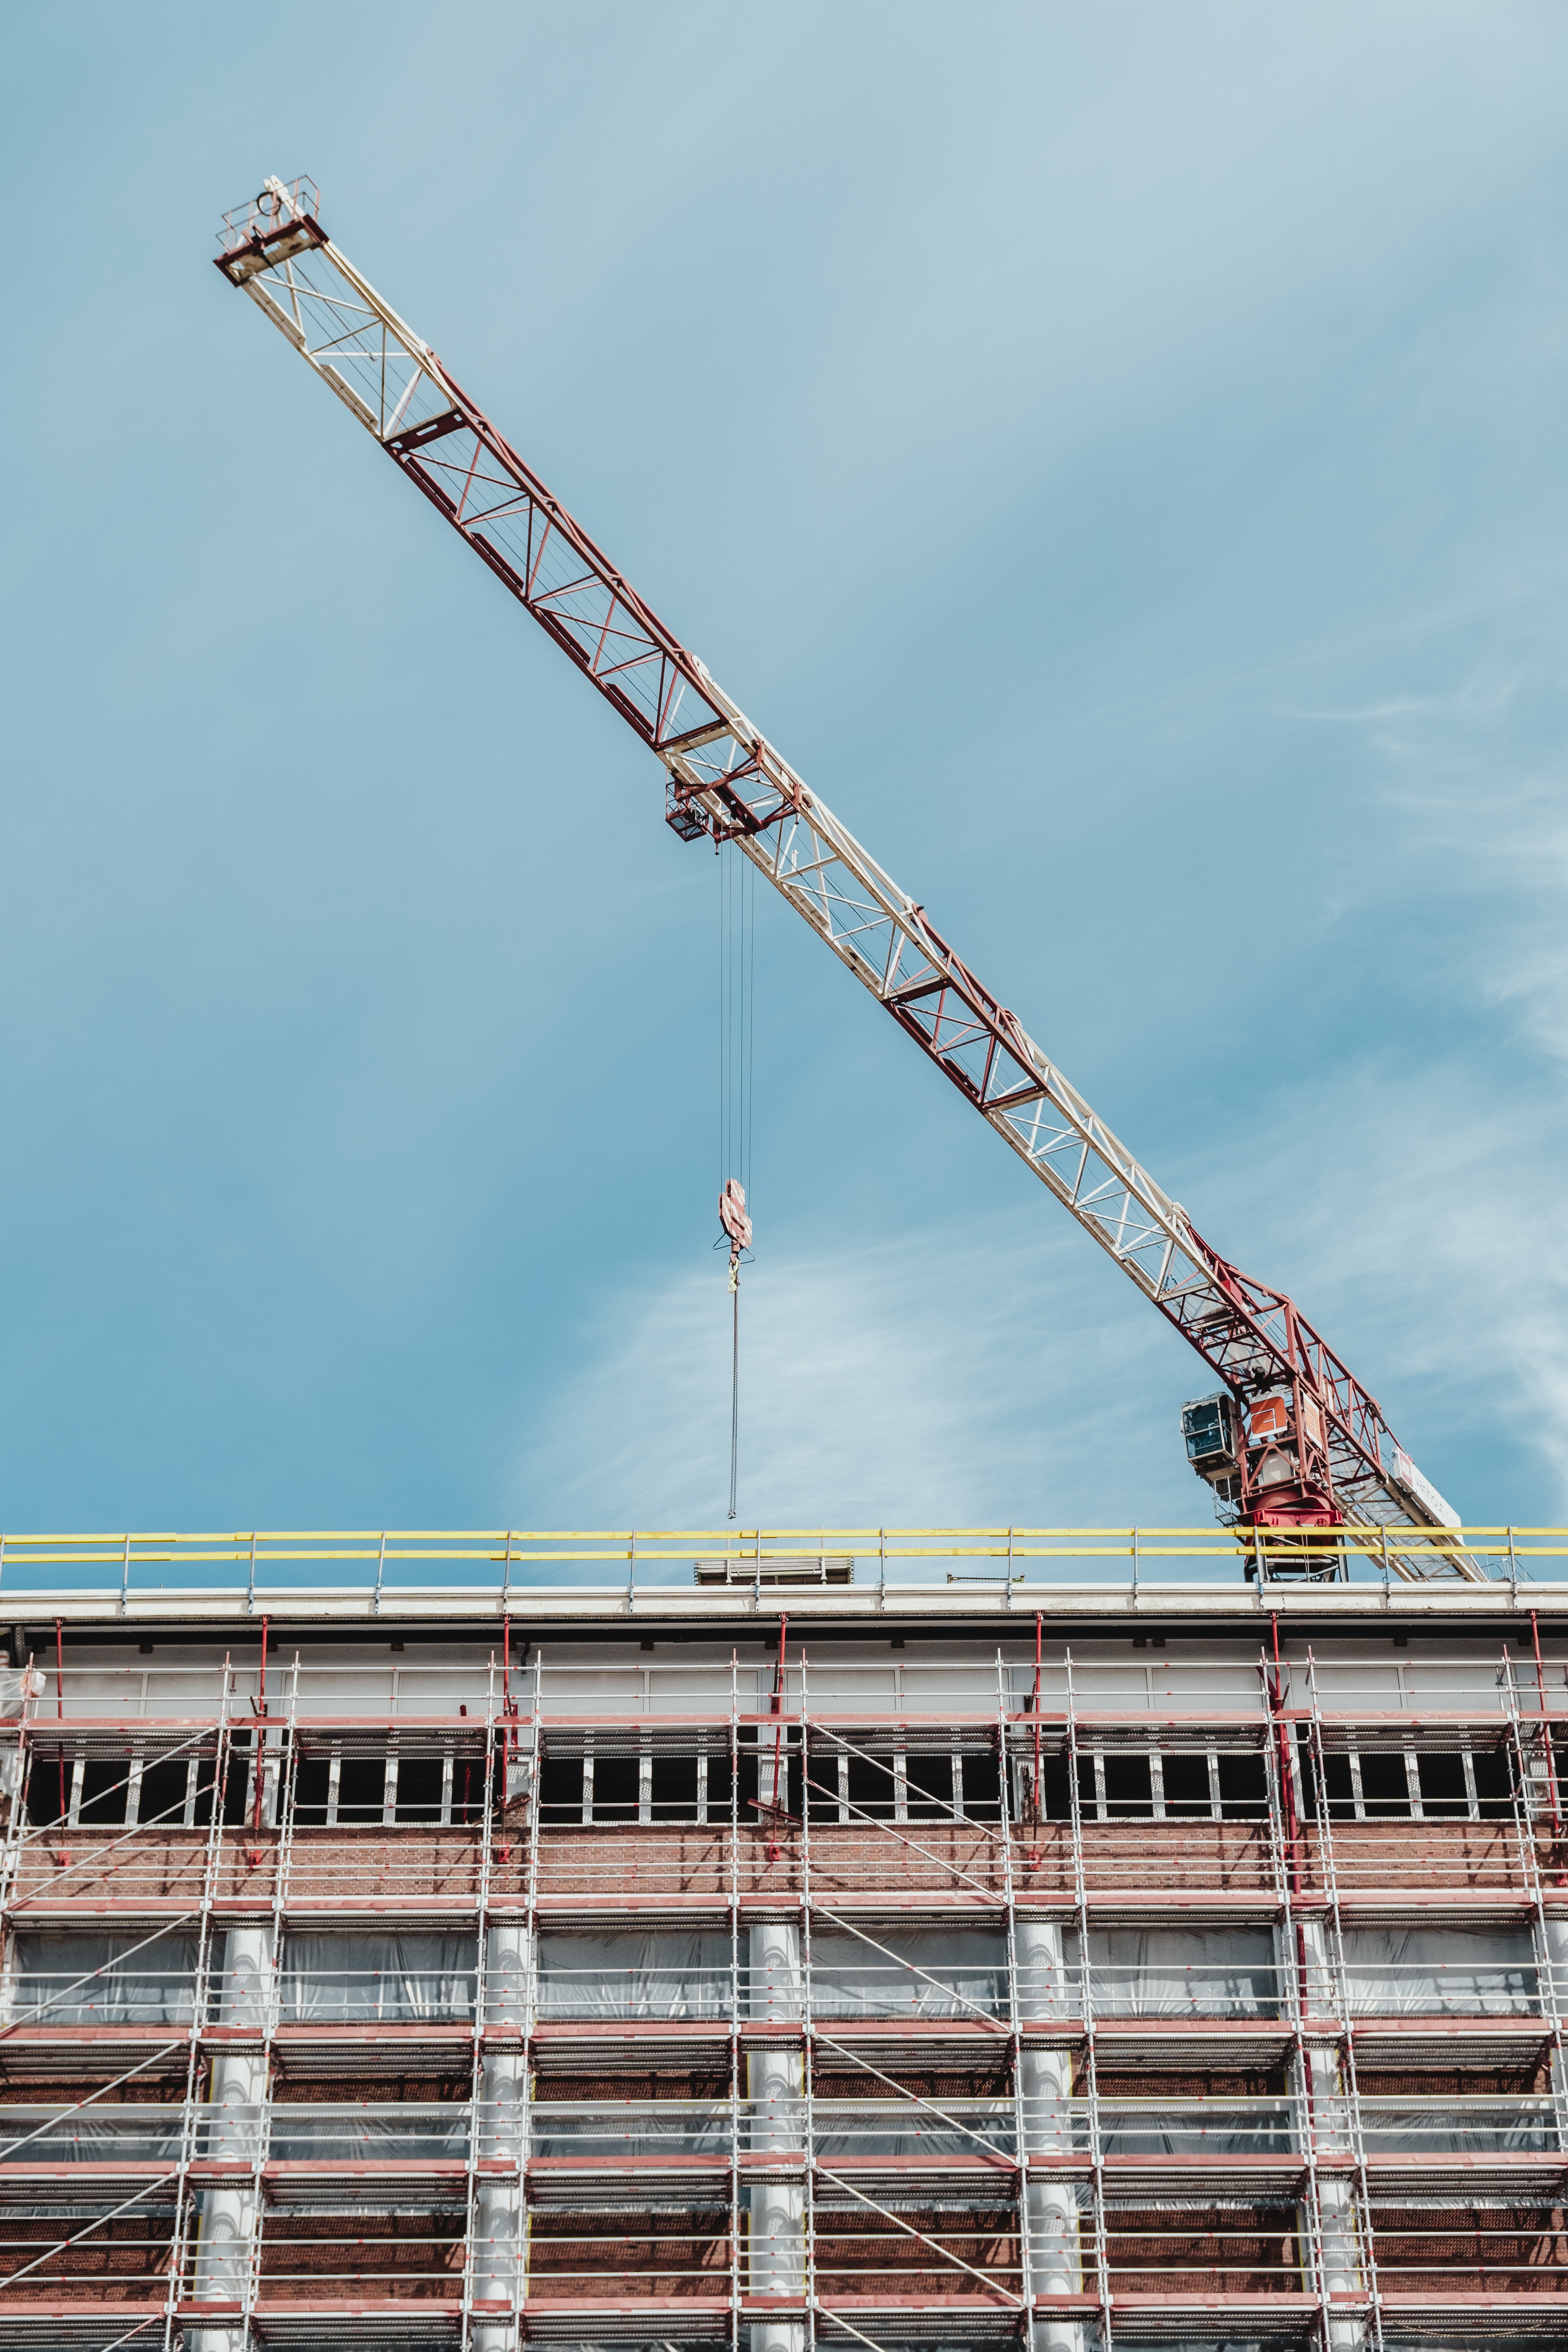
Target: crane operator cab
(1209,1431)
(1249,1453)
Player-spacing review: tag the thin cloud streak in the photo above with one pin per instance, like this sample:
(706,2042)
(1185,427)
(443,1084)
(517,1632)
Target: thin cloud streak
(911,1384)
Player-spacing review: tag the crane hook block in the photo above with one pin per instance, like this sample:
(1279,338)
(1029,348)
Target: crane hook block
(733,1218)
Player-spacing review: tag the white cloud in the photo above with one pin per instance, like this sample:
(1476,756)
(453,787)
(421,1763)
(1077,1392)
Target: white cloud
(1011,1376)
(922,1381)
(1477,778)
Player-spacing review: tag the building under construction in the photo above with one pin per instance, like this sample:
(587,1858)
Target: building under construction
(767,1966)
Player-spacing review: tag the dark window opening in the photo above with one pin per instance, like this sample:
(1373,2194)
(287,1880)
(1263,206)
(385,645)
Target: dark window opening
(1339,1787)
(1385,1788)
(614,1788)
(983,1785)
(361,1788)
(1243,1788)
(310,1776)
(103,1792)
(929,1784)
(561,1788)
(1186,1787)
(822,1784)
(674,1787)
(163,1792)
(1443,1791)
(1494,1784)
(872,1787)
(1055,1788)
(1128,1788)
(419,1789)
(238,1784)
(48,1790)
(720,1778)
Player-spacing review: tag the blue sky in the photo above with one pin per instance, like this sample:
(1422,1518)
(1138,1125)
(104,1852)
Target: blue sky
(1120,454)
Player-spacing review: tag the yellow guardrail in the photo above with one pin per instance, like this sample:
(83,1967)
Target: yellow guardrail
(504,1555)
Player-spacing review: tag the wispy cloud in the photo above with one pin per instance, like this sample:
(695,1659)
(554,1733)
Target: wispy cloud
(1011,1376)
(1477,777)
(914,1384)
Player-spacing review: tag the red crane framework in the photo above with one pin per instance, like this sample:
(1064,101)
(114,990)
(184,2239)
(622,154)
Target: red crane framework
(1291,1440)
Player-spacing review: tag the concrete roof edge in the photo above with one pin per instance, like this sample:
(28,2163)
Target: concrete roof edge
(1238,1603)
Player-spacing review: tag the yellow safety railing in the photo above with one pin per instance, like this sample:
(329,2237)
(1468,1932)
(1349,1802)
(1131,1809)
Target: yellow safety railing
(501,1555)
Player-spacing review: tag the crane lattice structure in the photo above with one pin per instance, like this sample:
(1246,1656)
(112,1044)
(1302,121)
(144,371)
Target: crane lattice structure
(1293,1440)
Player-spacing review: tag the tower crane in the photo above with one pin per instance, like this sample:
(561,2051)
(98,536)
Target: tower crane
(1290,1442)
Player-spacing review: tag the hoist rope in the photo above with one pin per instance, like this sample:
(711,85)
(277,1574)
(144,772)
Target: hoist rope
(737,1028)
(734,1397)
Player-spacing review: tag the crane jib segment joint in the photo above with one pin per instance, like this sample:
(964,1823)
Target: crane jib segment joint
(1293,1440)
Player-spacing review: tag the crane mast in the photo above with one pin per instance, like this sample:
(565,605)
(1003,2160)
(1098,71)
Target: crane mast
(1291,1441)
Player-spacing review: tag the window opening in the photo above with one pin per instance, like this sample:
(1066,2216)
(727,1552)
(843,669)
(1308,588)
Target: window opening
(1385,1788)
(361,1788)
(415,1793)
(617,1788)
(98,1791)
(1186,1791)
(1126,1786)
(1446,1787)
(676,1788)
(1243,1788)
(928,1788)
(983,1785)
(560,1791)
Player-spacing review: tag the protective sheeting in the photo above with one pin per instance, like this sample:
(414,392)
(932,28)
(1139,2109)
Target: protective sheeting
(1463,2126)
(917,1972)
(631,1974)
(377,1980)
(55,1980)
(892,2127)
(662,2128)
(1219,2128)
(1459,1971)
(1180,1972)
(95,2135)
(407,2135)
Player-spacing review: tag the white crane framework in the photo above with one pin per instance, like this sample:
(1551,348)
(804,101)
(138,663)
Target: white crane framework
(1295,1442)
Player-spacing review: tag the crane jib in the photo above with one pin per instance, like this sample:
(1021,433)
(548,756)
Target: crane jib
(1293,1441)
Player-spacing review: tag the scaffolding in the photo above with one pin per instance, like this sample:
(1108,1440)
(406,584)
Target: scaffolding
(713,1988)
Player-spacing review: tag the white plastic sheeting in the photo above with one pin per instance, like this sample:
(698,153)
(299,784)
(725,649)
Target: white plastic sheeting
(318,2134)
(378,1978)
(1173,2127)
(917,1972)
(1180,1972)
(632,2127)
(1462,2126)
(629,1974)
(53,1979)
(1459,1972)
(893,2126)
(98,2135)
